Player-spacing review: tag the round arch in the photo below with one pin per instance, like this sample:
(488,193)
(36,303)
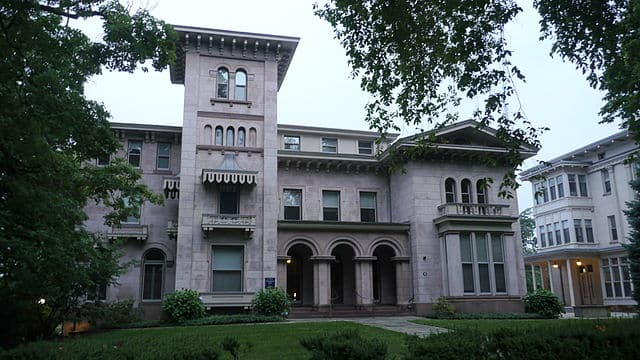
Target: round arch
(304,240)
(346,240)
(168,255)
(392,243)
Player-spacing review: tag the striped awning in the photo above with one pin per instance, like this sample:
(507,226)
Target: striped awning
(171,188)
(229,172)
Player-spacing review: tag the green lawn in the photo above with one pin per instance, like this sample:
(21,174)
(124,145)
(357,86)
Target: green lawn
(524,325)
(268,341)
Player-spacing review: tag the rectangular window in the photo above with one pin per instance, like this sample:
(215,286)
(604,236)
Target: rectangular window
(365,147)
(606,181)
(133,218)
(560,186)
(537,193)
(228,202)
(565,231)
(545,193)
(552,188)
(582,180)
(163,160)
(543,237)
(134,151)
(330,145)
(292,200)
(227,264)
(573,186)
(549,234)
(556,229)
(577,226)
(100,293)
(330,205)
(617,279)
(292,142)
(588,229)
(367,206)
(103,160)
(613,229)
(152,283)
(482,261)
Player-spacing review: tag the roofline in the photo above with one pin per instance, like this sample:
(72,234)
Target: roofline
(136,126)
(235,33)
(313,129)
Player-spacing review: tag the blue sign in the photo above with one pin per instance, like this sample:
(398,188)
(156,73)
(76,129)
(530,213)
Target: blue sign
(269,282)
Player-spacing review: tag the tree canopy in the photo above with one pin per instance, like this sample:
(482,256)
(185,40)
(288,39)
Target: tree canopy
(51,134)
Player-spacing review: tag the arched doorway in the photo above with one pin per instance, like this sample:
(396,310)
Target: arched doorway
(384,276)
(300,275)
(343,275)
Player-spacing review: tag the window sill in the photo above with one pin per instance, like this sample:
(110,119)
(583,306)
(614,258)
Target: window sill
(230,102)
(151,301)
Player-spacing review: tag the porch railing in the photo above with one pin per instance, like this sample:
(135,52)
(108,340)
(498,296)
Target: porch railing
(472,209)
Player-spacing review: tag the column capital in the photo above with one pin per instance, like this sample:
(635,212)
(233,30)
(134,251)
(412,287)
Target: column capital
(322,258)
(365,258)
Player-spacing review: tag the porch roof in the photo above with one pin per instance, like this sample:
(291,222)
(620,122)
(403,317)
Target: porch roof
(562,253)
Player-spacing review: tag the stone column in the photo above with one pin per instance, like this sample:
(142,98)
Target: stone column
(403,285)
(570,281)
(454,265)
(364,280)
(322,280)
(512,252)
(281,280)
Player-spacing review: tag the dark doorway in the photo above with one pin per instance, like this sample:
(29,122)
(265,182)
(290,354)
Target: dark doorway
(343,275)
(300,275)
(384,276)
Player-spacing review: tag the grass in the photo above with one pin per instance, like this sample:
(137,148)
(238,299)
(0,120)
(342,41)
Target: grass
(268,341)
(485,326)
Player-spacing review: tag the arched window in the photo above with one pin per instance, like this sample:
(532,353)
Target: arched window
(252,137)
(450,190)
(218,135)
(481,191)
(241,137)
(241,85)
(466,191)
(223,83)
(153,275)
(230,136)
(207,135)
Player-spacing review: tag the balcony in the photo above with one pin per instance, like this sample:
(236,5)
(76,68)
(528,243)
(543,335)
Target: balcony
(129,231)
(471,209)
(471,217)
(172,229)
(246,223)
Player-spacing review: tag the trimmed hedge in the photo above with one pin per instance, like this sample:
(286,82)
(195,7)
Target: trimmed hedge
(209,320)
(486,316)
(570,340)
(543,302)
(345,345)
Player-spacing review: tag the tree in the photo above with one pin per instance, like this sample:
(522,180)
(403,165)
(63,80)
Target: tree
(527,231)
(50,135)
(419,58)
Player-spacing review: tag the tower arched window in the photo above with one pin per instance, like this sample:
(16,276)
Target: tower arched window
(241,137)
(208,134)
(241,85)
(218,135)
(223,83)
(481,191)
(230,136)
(450,190)
(253,136)
(153,265)
(466,191)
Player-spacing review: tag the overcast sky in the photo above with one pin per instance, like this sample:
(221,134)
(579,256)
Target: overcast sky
(318,90)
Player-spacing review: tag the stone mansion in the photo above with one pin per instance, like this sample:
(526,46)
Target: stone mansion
(251,203)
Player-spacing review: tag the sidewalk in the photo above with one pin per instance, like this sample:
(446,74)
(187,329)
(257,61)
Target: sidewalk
(401,324)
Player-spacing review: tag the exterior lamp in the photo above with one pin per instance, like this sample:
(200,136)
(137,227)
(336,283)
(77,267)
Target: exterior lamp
(579,263)
(555,265)
(41,301)
(288,261)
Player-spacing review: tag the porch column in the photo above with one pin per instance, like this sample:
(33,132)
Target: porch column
(322,279)
(281,280)
(550,276)
(533,277)
(403,273)
(454,264)
(364,280)
(572,300)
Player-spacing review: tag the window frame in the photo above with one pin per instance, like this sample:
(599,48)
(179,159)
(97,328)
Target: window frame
(242,137)
(241,270)
(557,232)
(159,156)
(291,146)
(543,236)
(285,206)
(127,221)
(588,231)
(100,161)
(218,136)
(550,239)
(619,265)
(560,186)
(220,202)
(606,182)
(230,134)
(222,85)
(243,86)
(365,148)
(572,180)
(155,263)
(130,148)
(579,232)
(491,263)
(582,185)
(613,228)
(375,206)
(326,148)
(325,208)
(566,231)
(450,194)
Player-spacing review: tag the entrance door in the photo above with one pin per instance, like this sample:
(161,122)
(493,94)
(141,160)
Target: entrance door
(585,281)
(300,275)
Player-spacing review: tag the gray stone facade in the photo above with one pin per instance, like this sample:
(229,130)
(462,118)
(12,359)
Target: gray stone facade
(253,203)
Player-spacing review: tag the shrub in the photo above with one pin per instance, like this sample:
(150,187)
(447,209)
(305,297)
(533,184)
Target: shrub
(272,301)
(487,316)
(234,347)
(442,309)
(345,345)
(182,305)
(543,302)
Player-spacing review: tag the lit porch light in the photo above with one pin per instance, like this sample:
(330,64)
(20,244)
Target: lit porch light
(579,263)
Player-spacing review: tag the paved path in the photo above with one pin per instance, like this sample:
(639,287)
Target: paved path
(401,324)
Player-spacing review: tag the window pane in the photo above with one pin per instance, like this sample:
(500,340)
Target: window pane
(565,231)
(582,179)
(103,160)
(560,186)
(368,215)
(330,214)
(467,277)
(227,281)
(292,143)
(218,140)
(241,86)
(450,190)
(292,213)
(481,247)
(292,197)
(496,248)
(365,147)
(241,137)
(465,247)
(152,287)
(483,275)
(573,188)
(501,285)
(230,137)
(368,200)
(223,83)
(134,152)
(329,145)
(331,199)
(227,258)
(228,203)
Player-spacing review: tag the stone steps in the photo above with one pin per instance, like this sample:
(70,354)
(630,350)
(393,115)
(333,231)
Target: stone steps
(342,311)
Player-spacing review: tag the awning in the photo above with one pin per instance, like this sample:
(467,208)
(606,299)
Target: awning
(171,187)
(229,172)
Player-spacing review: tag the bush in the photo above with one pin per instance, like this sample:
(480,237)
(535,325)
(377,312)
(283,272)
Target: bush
(345,345)
(545,303)
(182,305)
(442,309)
(209,320)
(487,316)
(272,301)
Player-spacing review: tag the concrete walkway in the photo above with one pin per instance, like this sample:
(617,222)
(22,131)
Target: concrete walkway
(401,324)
